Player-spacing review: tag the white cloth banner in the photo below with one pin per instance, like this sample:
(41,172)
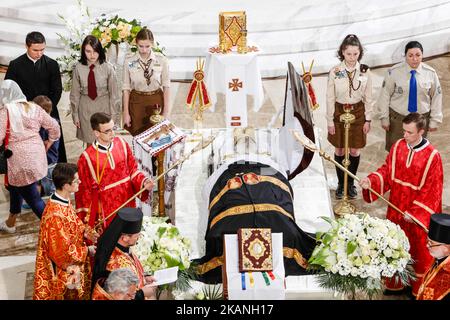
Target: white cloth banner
(236,76)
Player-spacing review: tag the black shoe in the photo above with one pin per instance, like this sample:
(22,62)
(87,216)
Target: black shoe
(339,192)
(407,291)
(352,193)
(388,292)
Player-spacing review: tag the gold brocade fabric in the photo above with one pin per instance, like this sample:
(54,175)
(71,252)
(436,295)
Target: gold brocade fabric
(61,244)
(250,179)
(100,294)
(295,254)
(249,208)
(120,259)
(436,284)
(210,265)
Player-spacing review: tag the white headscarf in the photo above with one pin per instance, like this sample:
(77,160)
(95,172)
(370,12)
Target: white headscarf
(10,97)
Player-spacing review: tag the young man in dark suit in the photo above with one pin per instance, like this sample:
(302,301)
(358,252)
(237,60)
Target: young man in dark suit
(37,74)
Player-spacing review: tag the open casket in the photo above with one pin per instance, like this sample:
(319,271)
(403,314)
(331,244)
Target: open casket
(249,185)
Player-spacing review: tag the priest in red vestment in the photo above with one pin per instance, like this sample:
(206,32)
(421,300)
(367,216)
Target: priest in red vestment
(436,283)
(114,251)
(109,174)
(413,174)
(62,266)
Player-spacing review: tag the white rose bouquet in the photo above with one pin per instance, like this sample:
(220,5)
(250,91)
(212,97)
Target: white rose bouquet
(358,251)
(161,246)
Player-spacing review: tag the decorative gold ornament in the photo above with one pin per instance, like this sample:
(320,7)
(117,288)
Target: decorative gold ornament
(344,206)
(157,117)
(307,79)
(233,31)
(198,97)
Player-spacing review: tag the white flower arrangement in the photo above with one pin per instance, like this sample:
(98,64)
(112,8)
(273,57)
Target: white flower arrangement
(358,251)
(161,246)
(78,23)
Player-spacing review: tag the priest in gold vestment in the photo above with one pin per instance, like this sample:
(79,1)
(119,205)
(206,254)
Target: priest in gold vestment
(62,259)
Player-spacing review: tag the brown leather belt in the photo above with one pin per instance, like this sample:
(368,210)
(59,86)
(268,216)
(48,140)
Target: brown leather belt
(146,93)
(350,106)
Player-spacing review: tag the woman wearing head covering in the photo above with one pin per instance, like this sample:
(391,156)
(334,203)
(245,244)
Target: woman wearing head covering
(28,162)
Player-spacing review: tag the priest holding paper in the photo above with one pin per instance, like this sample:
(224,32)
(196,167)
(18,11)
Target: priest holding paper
(114,252)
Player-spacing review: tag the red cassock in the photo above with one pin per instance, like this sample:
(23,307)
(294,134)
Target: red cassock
(61,250)
(108,179)
(436,284)
(415,180)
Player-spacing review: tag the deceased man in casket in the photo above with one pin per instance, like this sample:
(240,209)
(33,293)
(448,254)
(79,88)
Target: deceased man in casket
(249,188)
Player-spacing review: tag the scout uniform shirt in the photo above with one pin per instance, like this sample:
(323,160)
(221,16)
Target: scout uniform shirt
(338,90)
(395,93)
(133,73)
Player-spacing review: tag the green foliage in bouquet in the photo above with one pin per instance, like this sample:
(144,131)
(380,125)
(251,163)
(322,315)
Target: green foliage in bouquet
(161,246)
(210,292)
(116,30)
(357,252)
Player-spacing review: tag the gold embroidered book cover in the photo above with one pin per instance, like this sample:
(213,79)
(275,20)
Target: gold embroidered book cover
(255,249)
(232,30)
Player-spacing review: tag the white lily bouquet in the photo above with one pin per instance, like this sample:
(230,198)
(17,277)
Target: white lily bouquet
(161,246)
(358,251)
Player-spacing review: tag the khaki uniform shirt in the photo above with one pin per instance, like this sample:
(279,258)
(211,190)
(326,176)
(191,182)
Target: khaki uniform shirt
(395,93)
(133,73)
(106,82)
(338,90)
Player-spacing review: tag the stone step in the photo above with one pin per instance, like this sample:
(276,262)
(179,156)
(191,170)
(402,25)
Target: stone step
(200,17)
(24,240)
(14,273)
(15,31)
(296,32)
(324,37)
